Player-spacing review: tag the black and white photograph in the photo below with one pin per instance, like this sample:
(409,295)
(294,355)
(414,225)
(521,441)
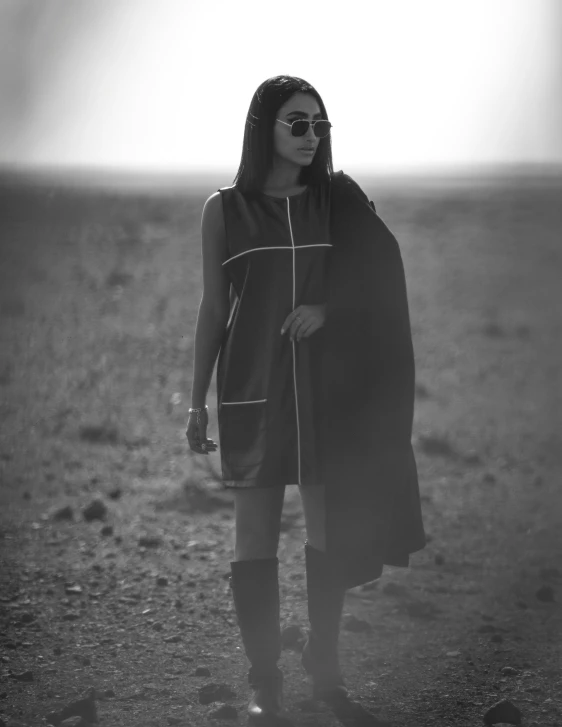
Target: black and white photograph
(280,363)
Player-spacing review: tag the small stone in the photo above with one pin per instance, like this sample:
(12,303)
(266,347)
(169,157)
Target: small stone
(202,671)
(215,693)
(157,626)
(115,493)
(26,618)
(96,510)
(356,625)
(224,711)
(497,639)
(502,711)
(73,588)
(24,676)
(84,707)
(162,581)
(509,671)
(175,639)
(107,530)
(439,559)
(63,513)
(149,541)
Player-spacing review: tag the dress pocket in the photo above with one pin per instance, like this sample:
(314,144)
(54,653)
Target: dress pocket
(243,434)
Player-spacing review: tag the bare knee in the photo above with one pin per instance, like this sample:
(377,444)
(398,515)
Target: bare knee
(258,520)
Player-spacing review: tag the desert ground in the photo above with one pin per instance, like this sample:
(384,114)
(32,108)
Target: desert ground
(116,540)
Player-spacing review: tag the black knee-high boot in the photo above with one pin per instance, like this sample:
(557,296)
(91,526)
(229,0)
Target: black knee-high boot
(255,590)
(325,606)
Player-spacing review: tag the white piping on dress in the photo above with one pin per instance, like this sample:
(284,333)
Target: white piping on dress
(252,401)
(277,247)
(294,352)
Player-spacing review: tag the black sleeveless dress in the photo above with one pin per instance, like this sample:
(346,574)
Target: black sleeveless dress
(267,385)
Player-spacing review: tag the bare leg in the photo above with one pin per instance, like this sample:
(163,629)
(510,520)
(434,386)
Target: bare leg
(257,522)
(315,515)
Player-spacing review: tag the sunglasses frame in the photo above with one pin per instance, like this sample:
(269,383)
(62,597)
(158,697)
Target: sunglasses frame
(310,123)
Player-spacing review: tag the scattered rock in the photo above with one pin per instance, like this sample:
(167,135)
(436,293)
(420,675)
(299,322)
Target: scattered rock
(24,676)
(202,671)
(545,594)
(63,513)
(150,541)
(215,693)
(174,639)
(439,559)
(72,589)
(489,477)
(224,711)
(292,637)
(356,625)
(107,530)
(509,671)
(162,581)
(497,639)
(115,493)
(96,510)
(84,708)
(26,618)
(503,711)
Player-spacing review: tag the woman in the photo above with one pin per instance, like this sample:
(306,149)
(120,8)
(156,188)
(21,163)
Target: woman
(305,306)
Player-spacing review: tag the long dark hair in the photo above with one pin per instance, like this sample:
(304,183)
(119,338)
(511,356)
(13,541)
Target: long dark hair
(257,151)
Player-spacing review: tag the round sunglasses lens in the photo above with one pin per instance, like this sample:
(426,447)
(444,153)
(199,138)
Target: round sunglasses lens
(322,128)
(299,127)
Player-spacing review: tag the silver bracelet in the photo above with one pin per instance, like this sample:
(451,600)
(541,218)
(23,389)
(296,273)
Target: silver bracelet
(197,409)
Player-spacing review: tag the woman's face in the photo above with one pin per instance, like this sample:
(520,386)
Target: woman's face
(288,147)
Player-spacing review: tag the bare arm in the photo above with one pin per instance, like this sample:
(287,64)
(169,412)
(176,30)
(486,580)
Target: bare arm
(214,308)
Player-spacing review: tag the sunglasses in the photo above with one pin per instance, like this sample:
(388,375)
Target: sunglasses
(299,127)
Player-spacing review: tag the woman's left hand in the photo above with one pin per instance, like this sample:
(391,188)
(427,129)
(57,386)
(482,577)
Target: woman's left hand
(304,320)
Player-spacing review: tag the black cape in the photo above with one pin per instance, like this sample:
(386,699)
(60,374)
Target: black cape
(366,394)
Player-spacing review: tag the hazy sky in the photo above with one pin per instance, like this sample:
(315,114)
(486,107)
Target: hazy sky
(167,83)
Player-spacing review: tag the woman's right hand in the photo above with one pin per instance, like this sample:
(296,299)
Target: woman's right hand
(196,433)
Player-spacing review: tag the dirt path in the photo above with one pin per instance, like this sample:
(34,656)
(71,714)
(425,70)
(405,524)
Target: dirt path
(93,604)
